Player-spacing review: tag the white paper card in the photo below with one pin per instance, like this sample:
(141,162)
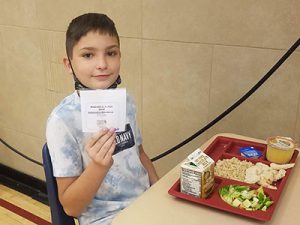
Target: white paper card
(103,108)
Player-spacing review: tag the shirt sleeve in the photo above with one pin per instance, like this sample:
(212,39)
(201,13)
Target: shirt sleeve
(63,148)
(132,115)
(138,135)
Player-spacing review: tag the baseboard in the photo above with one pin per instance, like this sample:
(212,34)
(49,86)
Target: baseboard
(24,183)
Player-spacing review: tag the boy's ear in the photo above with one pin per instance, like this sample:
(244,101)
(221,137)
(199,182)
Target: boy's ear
(67,65)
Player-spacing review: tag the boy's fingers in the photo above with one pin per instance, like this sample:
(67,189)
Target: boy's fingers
(95,137)
(105,154)
(101,141)
(111,150)
(107,145)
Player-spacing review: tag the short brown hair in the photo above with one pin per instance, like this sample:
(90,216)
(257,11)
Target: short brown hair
(85,23)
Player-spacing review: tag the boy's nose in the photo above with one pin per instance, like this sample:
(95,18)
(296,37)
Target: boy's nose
(101,63)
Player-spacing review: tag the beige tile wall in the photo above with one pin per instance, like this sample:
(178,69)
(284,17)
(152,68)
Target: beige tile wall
(183,61)
(272,110)
(266,24)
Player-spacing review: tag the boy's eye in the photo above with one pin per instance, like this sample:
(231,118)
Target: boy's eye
(112,53)
(87,55)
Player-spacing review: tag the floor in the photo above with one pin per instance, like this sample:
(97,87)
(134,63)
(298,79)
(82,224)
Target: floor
(17,208)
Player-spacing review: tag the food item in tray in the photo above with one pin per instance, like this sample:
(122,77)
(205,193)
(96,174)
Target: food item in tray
(244,197)
(197,174)
(276,166)
(245,171)
(265,175)
(250,152)
(280,149)
(233,168)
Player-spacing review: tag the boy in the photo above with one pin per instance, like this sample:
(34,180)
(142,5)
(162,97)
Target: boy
(94,184)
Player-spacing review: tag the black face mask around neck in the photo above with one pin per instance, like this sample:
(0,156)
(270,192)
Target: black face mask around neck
(80,86)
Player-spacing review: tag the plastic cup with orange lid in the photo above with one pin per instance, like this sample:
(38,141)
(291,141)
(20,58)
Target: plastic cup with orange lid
(280,149)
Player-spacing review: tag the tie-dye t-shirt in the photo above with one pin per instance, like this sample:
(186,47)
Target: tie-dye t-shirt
(126,179)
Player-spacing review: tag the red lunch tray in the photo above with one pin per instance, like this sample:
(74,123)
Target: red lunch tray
(226,148)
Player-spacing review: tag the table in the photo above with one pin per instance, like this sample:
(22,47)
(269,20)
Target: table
(157,207)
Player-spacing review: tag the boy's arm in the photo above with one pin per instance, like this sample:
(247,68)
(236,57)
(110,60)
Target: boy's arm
(153,177)
(76,193)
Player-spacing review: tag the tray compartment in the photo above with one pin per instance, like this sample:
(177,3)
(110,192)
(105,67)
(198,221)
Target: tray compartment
(217,147)
(236,145)
(254,161)
(241,158)
(216,202)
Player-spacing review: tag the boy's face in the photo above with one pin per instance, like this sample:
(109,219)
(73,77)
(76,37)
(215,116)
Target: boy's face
(96,60)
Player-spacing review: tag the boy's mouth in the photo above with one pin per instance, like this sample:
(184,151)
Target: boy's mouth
(102,76)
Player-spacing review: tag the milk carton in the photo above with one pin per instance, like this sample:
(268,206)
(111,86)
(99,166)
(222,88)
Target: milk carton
(197,174)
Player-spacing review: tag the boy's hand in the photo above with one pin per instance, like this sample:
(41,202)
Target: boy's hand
(101,146)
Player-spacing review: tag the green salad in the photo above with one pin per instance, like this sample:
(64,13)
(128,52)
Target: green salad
(244,197)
